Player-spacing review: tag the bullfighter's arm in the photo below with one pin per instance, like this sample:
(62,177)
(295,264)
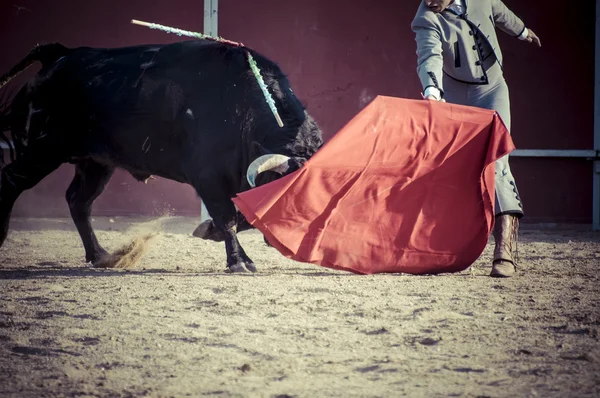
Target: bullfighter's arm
(506,20)
(429,56)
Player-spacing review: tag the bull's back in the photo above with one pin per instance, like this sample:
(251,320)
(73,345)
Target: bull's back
(154,107)
(159,82)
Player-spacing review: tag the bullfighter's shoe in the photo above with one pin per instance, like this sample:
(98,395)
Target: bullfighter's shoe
(504,264)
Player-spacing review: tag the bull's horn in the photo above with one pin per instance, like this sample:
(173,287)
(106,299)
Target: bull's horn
(264,163)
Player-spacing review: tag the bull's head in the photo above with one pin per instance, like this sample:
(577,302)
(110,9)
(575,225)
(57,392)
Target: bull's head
(267,168)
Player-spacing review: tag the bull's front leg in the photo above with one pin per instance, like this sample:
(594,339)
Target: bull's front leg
(237,259)
(225,220)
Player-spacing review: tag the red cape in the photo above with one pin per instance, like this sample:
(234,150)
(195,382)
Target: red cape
(406,186)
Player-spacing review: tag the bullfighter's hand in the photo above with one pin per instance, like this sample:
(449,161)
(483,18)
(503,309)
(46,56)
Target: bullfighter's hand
(432,98)
(532,38)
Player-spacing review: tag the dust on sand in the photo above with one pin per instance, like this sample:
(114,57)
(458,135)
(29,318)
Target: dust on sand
(137,243)
(177,325)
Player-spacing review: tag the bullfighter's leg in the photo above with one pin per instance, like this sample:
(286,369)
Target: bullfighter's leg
(508,207)
(22,174)
(89,182)
(224,218)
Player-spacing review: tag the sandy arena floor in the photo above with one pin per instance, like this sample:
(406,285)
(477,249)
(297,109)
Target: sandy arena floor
(177,325)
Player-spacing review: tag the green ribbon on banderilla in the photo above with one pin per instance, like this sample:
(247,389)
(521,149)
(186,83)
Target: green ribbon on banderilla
(251,61)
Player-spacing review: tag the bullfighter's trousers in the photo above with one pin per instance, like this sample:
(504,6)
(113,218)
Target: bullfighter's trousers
(491,96)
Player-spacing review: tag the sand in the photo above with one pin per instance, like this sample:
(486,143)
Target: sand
(175,325)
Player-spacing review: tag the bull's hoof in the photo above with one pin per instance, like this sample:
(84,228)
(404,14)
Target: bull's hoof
(251,267)
(203,230)
(206,230)
(97,257)
(106,261)
(235,268)
(241,267)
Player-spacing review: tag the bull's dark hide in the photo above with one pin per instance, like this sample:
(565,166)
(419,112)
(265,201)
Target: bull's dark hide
(190,111)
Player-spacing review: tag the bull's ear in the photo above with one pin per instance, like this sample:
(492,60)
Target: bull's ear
(257,150)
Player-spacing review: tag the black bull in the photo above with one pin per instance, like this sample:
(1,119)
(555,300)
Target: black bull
(191,112)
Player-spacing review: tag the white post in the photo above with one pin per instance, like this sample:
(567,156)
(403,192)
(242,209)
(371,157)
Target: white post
(596,188)
(211,19)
